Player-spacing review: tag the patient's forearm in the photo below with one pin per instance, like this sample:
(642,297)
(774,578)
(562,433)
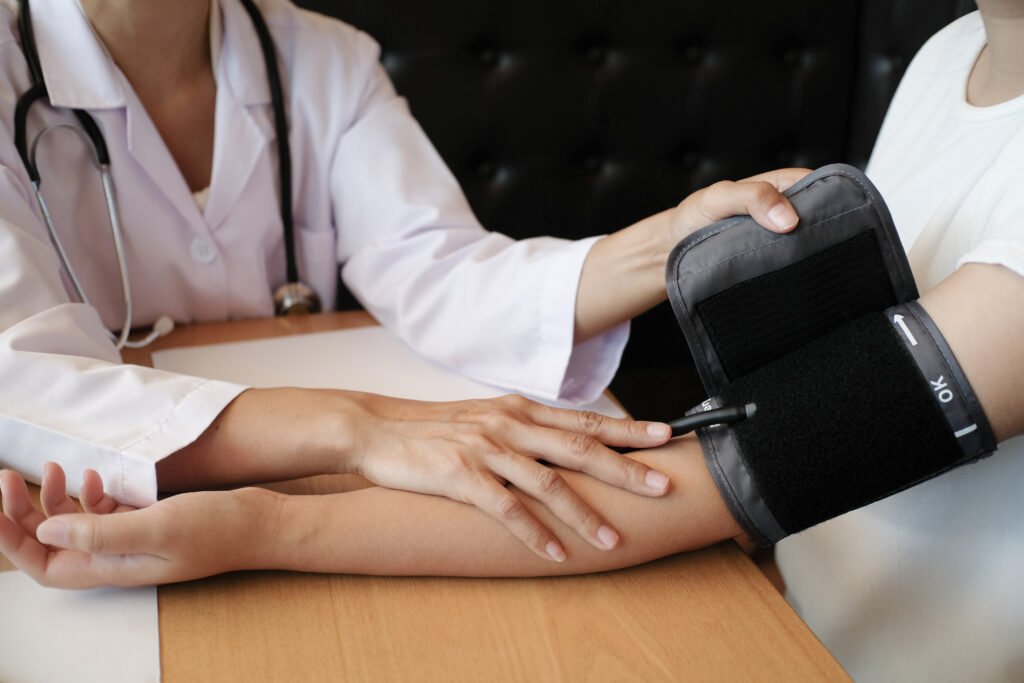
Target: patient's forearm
(382,531)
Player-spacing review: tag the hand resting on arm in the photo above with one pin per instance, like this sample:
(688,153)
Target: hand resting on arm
(370,531)
(381,531)
(468,450)
(465,450)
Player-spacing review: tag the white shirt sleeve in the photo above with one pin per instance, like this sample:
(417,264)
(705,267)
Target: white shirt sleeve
(1002,240)
(497,309)
(66,396)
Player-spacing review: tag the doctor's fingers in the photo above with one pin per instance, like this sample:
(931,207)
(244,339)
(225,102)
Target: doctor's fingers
(759,197)
(781,178)
(612,431)
(583,453)
(483,490)
(547,486)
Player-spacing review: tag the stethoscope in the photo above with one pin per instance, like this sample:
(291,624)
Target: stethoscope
(293,297)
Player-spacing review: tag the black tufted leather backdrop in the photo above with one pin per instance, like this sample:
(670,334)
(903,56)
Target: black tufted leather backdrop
(578,117)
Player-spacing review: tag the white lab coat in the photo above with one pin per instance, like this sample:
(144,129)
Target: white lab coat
(370,193)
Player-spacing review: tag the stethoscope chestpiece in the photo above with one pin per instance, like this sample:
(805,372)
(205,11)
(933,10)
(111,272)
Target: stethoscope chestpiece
(295,298)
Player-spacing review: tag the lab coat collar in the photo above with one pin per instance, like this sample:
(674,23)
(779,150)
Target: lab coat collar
(241,59)
(80,74)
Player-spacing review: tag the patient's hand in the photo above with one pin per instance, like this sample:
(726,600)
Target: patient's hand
(369,531)
(185,537)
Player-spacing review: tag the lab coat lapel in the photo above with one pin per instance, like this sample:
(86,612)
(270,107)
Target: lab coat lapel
(148,148)
(76,67)
(240,139)
(79,73)
(244,124)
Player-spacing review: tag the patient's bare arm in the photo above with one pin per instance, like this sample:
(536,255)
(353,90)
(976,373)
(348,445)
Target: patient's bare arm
(372,531)
(380,531)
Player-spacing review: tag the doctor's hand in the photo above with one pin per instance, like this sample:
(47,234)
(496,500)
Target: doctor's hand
(185,537)
(760,196)
(624,274)
(465,450)
(470,450)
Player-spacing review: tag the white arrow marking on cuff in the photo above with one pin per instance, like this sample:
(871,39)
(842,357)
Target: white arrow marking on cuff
(898,319)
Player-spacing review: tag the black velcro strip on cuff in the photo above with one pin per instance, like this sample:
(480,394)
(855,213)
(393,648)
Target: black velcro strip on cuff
(846,420)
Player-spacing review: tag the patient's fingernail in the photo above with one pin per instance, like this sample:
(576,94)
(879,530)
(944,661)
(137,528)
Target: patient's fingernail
(555,551)
(53,532)
(656,480)
(657,430)
(782,216)
(609,539)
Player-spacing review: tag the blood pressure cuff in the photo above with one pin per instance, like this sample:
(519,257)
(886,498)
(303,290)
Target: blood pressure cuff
(858,395)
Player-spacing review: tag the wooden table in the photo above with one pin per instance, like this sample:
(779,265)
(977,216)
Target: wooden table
(706,615)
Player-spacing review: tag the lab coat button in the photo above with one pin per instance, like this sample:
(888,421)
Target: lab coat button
(202,251)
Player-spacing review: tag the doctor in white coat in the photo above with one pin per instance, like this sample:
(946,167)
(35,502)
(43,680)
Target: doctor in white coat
(180,93)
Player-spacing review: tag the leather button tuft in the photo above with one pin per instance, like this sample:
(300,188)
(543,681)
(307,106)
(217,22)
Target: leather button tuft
(592,163)
(693,53)
(486,169)
(488,56)
(596,55)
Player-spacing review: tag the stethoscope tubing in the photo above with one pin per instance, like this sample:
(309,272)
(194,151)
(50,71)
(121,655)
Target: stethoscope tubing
(115,228)
(284,152)
(91,133)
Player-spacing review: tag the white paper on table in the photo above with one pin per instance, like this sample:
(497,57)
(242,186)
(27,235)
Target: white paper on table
(96,636)
(367,359)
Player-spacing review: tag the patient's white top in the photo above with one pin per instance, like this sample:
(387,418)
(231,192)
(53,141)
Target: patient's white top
(928,585)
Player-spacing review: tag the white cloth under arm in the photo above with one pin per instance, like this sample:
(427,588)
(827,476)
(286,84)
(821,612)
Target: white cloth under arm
(370,192)
(925,586)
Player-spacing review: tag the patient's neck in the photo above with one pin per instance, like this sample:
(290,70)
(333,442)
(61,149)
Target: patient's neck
(998,75)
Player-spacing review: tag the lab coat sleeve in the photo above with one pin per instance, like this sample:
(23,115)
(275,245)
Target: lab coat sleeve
(499,310)
(65,395)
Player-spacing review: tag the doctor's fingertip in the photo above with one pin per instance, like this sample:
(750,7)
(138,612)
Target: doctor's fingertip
(783,217)
(54,532)
(555,551)
(659,430)
(608,537)
(656,481)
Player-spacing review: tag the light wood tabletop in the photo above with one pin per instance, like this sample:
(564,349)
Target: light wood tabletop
(708,615)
